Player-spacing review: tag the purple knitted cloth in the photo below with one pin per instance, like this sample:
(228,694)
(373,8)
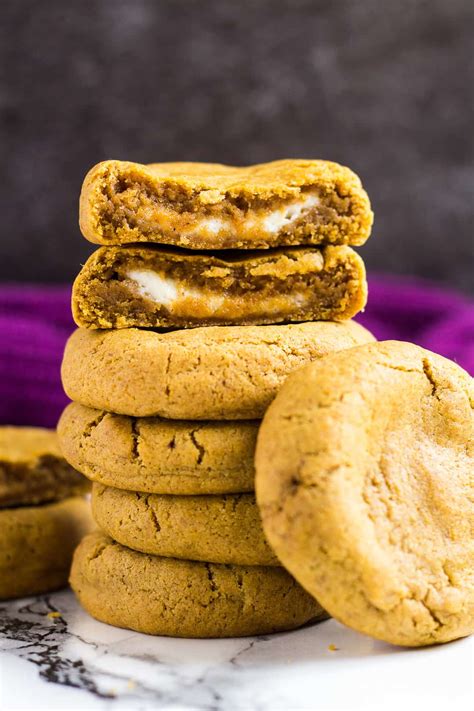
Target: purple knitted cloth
(35,322)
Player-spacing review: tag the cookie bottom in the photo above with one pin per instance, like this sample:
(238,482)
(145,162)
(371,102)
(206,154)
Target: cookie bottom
(37,543)
(181,598)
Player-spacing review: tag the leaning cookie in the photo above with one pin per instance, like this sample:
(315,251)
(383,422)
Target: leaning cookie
(159,456)
(211,206)
(32,468)
(209,373)
(37,543)
(181,598)
(123,287)
(365,485)
(216,529)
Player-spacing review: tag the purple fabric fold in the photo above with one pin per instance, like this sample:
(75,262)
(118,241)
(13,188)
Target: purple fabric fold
(35,322)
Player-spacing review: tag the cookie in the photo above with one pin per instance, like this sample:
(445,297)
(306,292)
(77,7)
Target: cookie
(147,287)
(365,485)
(181,598)
(37,543)
(211,206)
(209,373)
(159,456)
(216,529)
(32,468)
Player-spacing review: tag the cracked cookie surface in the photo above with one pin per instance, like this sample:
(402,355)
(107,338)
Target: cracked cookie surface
(33,470)
(181,598)
(209,373)
(212,206)
(37,543)
(216,529)
(365,482)
(159,456)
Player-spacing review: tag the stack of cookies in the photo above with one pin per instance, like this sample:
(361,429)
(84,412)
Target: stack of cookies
(213,284)
(43,512)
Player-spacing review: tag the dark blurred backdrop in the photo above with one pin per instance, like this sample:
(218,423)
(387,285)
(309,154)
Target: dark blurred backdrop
(384,87)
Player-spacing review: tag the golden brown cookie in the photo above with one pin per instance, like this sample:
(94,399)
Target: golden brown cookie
(181,598)
(36,545)
(210,373)
(216,529)
(32,468)
(211,206)
(148,287)
(365,481)
(159,456)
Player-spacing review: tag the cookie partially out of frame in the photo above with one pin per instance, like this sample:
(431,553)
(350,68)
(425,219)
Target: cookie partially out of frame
(216,529)
(37,543)
(181,598)
(209,373)
(159,456)
(365,482)
(122,287)
(33,469)
(212,206)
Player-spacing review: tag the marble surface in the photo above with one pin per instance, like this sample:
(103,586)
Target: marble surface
(54,656)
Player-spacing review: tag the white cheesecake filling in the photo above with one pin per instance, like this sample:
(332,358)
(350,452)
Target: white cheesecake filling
(154,287)
(187,302)
(259,220)
(212,224)
(278,219)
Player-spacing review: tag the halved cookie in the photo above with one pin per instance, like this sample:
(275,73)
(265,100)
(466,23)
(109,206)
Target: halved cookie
(212,206)
(33,469)
(121,287)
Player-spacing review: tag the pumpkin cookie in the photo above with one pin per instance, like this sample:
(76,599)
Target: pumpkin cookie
(211,206)
(122,287)
(210,373)
(365,484)
(181,598)
(216,529)
(32,468)
(159,456)
(36,545)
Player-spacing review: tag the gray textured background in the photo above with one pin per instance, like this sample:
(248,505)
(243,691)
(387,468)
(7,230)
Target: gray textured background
(384,87)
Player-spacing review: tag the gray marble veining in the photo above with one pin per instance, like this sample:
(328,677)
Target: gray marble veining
(54,656)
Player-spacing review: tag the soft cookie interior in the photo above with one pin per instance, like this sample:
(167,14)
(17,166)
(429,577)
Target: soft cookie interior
(151,287)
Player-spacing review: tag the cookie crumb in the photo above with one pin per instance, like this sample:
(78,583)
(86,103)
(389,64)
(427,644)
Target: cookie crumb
(53,615)
(333,648)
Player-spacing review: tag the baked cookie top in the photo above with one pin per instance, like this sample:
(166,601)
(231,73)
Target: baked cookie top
(213,206)
(32,468)
(184,598)
(216,529)
(159,456)
(209,373)
(365,482)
